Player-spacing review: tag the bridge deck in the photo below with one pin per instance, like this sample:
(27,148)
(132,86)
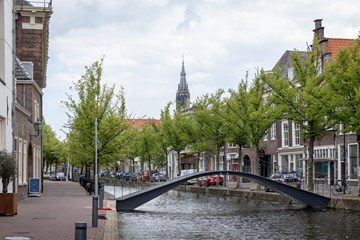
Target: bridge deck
(134,200)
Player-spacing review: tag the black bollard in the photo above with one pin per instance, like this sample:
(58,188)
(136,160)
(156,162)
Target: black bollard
(101,196)
(80,231)
(95,205)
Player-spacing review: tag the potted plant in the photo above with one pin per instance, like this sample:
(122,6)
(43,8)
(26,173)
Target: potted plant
(8,201)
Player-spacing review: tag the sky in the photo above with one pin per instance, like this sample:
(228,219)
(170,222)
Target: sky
(143,43)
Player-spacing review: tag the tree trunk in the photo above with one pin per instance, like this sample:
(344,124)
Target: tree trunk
(167,166)
(311,165)
(239,179)
(5,183)
(179,163)
(149,163)
(358,163)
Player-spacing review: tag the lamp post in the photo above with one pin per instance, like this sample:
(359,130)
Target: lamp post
(95,203)
(343,165)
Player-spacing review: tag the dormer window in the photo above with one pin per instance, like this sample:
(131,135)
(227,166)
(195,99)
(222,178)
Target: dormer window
(291,73)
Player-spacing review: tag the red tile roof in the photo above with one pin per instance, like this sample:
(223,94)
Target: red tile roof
(139,123)
(335,44)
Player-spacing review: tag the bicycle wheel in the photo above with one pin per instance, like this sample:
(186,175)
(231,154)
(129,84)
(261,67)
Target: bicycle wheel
(347,189)
(336,189)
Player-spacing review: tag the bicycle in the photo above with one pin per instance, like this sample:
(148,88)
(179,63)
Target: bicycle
(341,187)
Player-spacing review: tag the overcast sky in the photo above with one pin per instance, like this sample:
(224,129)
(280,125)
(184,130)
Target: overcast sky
(143,42)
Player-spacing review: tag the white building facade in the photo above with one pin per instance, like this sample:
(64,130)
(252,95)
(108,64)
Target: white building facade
(6,74)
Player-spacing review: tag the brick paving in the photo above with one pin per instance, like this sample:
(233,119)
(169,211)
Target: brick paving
(54,214)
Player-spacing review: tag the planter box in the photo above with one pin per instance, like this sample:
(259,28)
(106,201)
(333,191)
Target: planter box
(8,204)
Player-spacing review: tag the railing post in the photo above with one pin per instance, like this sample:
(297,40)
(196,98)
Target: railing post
(80,231)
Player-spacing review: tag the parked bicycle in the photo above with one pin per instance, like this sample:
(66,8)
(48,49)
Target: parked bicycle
(341,187)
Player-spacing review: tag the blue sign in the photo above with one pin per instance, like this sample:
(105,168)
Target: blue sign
(34,186)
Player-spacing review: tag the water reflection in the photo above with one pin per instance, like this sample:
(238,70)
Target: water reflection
(184,215)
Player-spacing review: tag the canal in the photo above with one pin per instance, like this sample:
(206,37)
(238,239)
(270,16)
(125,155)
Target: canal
(186,215)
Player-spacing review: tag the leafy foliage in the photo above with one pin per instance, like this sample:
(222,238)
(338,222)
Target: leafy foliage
(7,169)
(96,101)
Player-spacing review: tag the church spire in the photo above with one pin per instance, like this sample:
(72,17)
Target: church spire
(183,94)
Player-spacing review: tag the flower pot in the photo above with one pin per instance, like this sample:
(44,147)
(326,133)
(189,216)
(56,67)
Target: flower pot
(8,204)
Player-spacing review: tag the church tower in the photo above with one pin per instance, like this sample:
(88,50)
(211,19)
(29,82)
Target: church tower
(183,94)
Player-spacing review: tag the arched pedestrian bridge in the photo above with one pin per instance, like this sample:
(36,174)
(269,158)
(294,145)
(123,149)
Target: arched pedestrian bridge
(134,200)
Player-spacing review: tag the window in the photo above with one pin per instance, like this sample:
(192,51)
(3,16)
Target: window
(291,73)
(232,145)
(25,162)
(352,164)
(296,134)
(20,161)
(265,137)
(273,131)
(285,134)
(2,132)
(284,163)
(299,164)
(321,169)
(36,111)
(318,67)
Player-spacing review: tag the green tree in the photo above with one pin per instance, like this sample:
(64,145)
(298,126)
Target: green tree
(146,141)
(7,169)
(132,151)
(96,101)
(260,112)
(343,81)
(52,148)
(304,100)
(173,128)
(209,116)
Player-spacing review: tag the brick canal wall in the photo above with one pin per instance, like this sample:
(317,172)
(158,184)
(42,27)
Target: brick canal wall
(351,203)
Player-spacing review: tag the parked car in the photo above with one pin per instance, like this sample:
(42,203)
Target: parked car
(127,176)
(60,176)
(118,175)
(52,177)
(154,177)
(290,178)
(146,176)
(162,177)
(186,172)
(210,181)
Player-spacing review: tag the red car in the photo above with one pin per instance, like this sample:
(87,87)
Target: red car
(210,181)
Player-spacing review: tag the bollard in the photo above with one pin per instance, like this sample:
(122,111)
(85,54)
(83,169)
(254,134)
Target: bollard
(80,231)
(101,196)
(95,205)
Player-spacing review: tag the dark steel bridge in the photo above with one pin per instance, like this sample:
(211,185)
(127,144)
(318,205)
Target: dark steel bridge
(134,200)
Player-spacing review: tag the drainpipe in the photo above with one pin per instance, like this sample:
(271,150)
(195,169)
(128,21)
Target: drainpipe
(14,90)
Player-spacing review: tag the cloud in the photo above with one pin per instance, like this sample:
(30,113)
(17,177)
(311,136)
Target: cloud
(143,41)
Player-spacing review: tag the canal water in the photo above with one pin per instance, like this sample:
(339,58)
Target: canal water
(186,215)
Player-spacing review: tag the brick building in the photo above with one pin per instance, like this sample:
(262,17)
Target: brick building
(283,148)
(32,32)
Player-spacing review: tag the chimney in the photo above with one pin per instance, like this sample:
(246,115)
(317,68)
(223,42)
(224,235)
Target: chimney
(317,23)
(319,30)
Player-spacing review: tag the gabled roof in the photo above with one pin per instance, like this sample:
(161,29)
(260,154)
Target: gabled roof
(335,44)
(285,61)
(139,123)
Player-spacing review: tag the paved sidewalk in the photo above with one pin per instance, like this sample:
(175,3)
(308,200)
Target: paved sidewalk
(54,214)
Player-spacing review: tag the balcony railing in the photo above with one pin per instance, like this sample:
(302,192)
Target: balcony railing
(325,153)
(37,4)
